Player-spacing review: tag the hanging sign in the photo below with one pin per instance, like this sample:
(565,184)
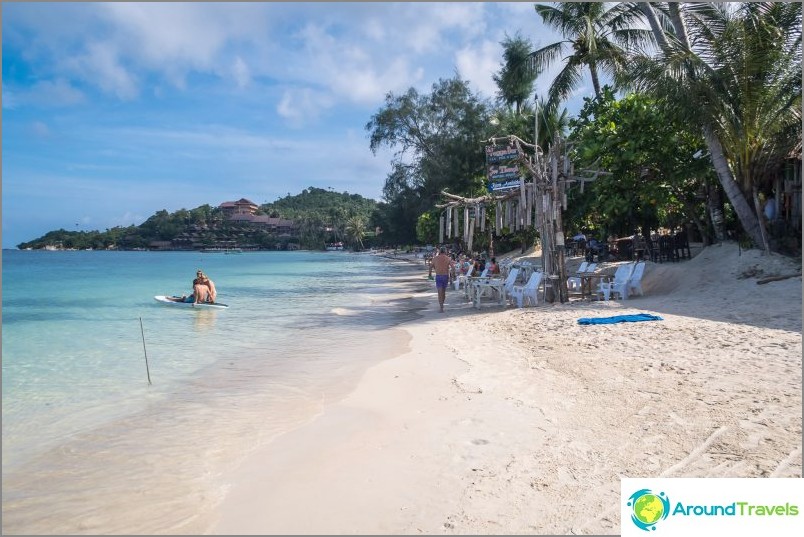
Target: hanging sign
(503,185)
(498,153)
(502,168)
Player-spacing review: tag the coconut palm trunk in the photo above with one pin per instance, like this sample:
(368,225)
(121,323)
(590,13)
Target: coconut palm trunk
(748,219)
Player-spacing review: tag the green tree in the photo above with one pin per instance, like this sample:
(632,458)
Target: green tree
(515,78)
(355,229)
(311,231)
(648,152)
(733,71)
(427,227)
(597,37)
(438,141)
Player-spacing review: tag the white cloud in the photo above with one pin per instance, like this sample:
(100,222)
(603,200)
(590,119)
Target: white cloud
(352,71)
(424,27)
(478,63)
(300,106)
(357,52)
(241,72)
(374,29)
(100,65)
(162,34)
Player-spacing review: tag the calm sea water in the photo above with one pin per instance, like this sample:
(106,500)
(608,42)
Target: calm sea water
(89,446)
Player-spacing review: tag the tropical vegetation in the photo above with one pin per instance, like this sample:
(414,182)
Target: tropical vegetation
(701,114)
(696,114)
(319,217)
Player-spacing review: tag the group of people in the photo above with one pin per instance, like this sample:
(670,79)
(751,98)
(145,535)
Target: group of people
(203,290)
(447,267)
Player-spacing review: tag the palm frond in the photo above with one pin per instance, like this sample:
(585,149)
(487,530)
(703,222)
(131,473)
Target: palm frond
(635,40)
(561,19)
(565,82)
(542,58)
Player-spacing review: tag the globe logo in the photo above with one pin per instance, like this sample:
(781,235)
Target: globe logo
(648,508)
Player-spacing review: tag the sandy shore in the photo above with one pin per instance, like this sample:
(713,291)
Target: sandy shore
(500,421)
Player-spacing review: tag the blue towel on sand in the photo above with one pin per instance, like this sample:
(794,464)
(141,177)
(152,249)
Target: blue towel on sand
(620,319)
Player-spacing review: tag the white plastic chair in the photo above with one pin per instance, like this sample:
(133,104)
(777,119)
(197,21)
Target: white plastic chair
(510,280)
(505,266)
(574,282)
(461,278)
(635,282)
(467,287)
(528,292)
(620,283)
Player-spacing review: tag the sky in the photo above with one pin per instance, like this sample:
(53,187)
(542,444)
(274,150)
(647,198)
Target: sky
(113,111)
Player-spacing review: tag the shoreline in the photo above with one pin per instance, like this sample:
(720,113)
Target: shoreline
(500,420)
(155,470)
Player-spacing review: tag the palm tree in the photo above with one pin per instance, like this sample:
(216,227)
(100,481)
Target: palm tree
(597,35)
(311,230)
(515,79)
(550,122)
(356,229)
(735,72)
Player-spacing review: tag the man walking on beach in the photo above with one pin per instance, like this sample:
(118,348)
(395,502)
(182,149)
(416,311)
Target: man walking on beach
(441,264)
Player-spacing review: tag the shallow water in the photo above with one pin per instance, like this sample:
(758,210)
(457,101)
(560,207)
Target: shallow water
(90,447)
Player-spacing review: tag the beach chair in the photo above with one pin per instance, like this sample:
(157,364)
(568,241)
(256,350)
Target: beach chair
(619,285)
(467,287)
(460,279)
(505,267)
(510,280)
(528,292)
(635,282)
(487,285)
(574,282)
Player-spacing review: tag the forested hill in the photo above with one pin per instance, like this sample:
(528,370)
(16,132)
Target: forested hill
(323,203)
(319,216)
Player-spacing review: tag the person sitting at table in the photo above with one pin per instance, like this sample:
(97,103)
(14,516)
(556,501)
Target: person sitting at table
(494,268)
(592,246)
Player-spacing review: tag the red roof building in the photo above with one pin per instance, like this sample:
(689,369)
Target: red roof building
(241,206)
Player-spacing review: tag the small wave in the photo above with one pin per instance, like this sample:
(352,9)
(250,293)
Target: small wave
(344,311)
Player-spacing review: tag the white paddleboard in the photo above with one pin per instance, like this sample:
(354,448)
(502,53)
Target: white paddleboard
(171,301)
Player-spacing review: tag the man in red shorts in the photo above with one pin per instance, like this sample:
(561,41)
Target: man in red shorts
(441,264)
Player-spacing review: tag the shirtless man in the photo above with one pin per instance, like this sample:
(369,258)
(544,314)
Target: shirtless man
(211,293)
(441,264)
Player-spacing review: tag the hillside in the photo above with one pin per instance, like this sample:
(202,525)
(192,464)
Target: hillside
(322,202)
(318,216)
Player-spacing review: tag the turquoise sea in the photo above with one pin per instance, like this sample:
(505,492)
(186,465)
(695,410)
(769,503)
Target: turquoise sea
(89,446)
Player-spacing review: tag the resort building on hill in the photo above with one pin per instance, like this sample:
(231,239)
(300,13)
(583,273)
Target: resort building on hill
(242,211)
(239,207)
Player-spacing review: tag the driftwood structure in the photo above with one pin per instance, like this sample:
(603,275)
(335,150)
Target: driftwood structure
(536,203)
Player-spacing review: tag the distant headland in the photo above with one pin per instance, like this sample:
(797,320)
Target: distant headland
(313,219)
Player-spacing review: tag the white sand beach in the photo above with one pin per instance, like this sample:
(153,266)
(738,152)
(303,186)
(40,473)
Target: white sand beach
(501,421)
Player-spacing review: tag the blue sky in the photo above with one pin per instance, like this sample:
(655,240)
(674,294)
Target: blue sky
(113,111)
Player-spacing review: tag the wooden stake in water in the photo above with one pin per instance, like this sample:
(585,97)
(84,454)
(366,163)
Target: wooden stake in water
(147,370)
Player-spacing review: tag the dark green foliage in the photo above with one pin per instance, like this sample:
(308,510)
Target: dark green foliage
(438,139)
(323,216)
(515,78)
(320,201)
(654,181)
